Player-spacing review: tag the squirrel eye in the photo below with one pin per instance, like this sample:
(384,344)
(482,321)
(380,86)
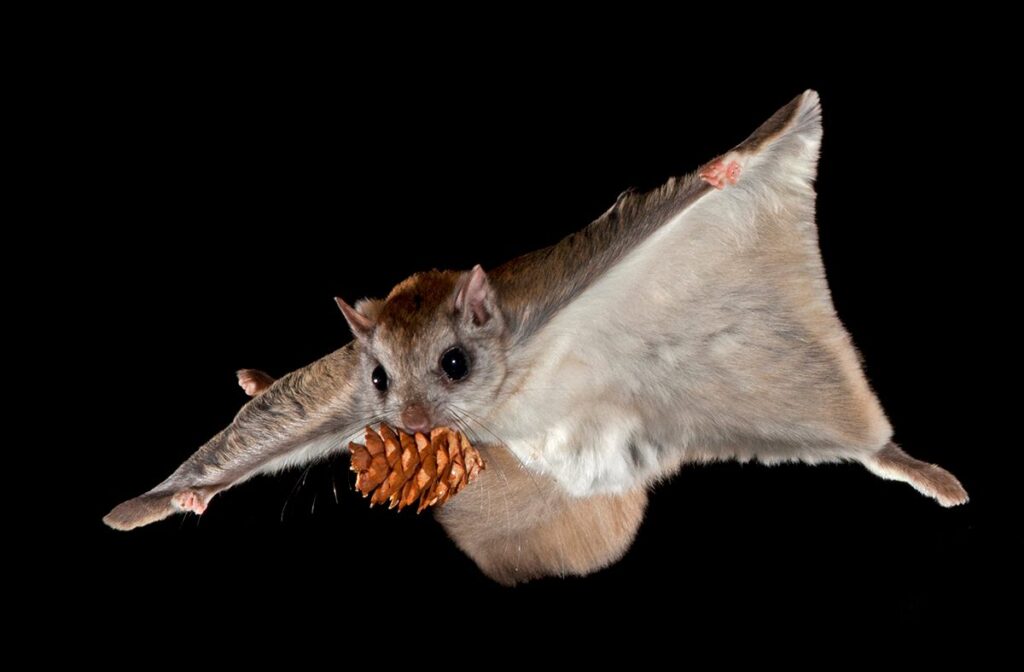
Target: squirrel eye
(454,364)
(380,378)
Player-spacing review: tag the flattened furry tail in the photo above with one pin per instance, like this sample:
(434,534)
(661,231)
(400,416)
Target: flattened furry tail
(142,510)
(929,479)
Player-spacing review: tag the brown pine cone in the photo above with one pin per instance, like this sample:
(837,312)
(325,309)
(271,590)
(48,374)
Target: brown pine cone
(401,469)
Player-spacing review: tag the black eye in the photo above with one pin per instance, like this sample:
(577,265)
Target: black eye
(380,378)
(454,364)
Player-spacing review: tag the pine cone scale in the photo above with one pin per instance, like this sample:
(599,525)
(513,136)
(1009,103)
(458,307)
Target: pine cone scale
(402,470)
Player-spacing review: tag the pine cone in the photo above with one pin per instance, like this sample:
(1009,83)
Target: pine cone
(401,469)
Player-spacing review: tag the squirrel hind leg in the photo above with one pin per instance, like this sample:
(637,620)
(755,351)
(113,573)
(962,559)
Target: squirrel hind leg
(893,464)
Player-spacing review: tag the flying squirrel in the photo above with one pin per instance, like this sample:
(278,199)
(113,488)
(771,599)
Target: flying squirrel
(692,323)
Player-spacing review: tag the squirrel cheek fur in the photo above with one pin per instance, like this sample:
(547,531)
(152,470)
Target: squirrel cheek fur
(687,324)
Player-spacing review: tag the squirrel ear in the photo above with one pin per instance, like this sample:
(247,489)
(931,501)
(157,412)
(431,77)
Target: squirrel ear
(474,297)
(361,325)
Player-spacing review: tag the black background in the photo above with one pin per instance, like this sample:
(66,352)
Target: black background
(231,196)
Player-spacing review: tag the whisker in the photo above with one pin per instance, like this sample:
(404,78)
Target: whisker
(465,429)
(300,481)
(504,494)
(522,464)
(346,434)
(546,497)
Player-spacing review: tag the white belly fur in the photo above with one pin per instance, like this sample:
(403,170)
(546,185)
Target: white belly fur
(714,339)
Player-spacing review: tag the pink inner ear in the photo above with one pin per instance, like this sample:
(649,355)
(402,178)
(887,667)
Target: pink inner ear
(472,296)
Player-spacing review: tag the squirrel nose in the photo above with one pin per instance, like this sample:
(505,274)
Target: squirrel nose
(416,419)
